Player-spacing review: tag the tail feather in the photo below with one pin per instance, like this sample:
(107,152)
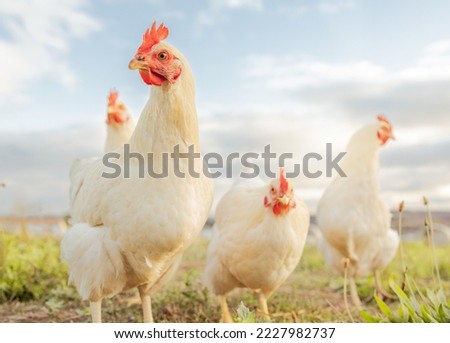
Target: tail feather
(217,278)
(95,261)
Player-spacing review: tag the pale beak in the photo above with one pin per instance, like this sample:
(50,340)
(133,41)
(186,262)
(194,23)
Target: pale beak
(138,62)
(393,137)
(284,200)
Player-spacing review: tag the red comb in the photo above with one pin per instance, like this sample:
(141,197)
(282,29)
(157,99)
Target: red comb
(152,36)
(112,98)
(283,181)
(381,118)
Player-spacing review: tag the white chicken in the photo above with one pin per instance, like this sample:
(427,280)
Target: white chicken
(354,220)
(120,127)
(131,231)
(120,124)
(258,239)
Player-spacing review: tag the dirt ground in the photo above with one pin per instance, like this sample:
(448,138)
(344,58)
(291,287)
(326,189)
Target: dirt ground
(125,308)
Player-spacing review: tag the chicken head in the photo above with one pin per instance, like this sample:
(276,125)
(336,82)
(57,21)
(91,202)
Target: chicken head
(384,133)
(281,195)
(157,63)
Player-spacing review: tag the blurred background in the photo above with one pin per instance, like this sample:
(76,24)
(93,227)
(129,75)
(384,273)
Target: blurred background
(293,74)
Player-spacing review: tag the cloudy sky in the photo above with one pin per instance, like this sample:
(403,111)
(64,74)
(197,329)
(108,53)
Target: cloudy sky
(295,74)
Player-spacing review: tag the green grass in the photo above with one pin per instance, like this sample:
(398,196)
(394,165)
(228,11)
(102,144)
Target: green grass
(30,269)
(33,288)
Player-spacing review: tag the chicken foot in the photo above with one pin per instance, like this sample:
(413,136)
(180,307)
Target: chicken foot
(379,289)
(146,306)
(225,316)
(96,311)
(351,282)
(262,303)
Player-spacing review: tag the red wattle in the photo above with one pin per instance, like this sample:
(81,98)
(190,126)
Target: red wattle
(276,209)
(151,78)
(145,76)
(279,208)
(117,118)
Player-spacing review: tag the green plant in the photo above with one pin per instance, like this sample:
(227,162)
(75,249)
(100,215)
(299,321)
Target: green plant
(414,307)
(244,315)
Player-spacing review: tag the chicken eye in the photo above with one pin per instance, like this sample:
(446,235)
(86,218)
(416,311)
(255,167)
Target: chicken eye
(272,190)
(162,56)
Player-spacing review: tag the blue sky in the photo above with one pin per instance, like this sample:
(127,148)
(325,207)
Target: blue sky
(295,74)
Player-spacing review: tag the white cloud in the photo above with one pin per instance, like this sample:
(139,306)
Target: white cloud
(215,11)
(35,165)
(413,166)
(326,8)
(415,94)
(444,190)
(253,4)
(292,72)
(293,11)
(433,65)
(336,6)
(38,35)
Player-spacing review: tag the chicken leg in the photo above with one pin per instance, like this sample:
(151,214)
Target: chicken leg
(262,303)
(225,316)
(354,292)
(96,311)
(351,281)
(379,289)
(146,306)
